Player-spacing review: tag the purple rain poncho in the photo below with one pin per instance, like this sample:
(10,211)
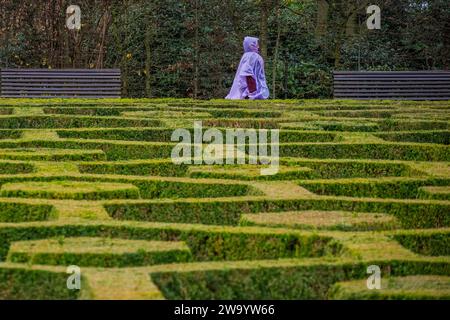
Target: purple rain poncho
(252,64)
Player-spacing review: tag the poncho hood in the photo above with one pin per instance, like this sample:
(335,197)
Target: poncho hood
(251,44)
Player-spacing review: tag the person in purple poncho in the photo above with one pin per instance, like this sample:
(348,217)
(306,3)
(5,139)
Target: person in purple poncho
(250,79)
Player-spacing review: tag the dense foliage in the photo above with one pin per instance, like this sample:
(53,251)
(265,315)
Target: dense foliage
(190,48)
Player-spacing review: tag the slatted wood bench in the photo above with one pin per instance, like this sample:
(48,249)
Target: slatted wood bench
(410,85)
(60,83)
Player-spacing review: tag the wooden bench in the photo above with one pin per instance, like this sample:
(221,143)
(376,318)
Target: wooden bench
(402,85)
(60,83)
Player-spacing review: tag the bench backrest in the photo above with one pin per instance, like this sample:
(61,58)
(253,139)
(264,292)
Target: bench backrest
(60,83)
(402,85)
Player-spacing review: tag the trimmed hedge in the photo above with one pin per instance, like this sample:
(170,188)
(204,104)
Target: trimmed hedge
(148,189)
(69,190)
(57,121)
(272,283)
(435,193)
(10,134)
(92,111)
(98,252)
(333,169)
(24,212)
(6,111)
(129,134)
(28,284)
(16,167)
(172,189)
(441,137)
(164,168)
(244,123)
(206,244)
(353,126)
(361,113)
(250,172)
(164,134)
(234,261)
(113,150)
(52,155)
(241,113)
(395,288)
(412,125)
(418,214)
(399,189)
(388,151)
(322,220)
(435,243)
(128,151)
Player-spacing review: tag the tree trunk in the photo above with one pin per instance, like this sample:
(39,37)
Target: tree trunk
(286,76)
(322,18)
(104,24)
(351,24)
(148,62)
(263,27)
(275,57)
(196,50)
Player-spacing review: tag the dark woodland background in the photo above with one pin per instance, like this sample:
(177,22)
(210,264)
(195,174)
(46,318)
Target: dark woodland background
(191,48)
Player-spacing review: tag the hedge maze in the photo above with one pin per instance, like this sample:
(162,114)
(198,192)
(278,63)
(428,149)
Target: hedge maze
(91,183)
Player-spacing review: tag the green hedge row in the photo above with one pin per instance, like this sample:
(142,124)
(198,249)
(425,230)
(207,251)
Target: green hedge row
(56,121)
(128,151)
(371,124)
(148,189)
(236,113)
(395,288)
(24,212)
(389,151)
(353,169)
(10,134)
(6,111)
(205,244)
(322,169)
(164,135)
(16,167)
(125,193)
(106,260)
(284,173)
(110,260)
(244,123)
(425,193)
(28,284)
(202,244)
(361,113)
(440,137)
(397,189)
(113,150)
(274,283)
(343,225)
(348,126)
(211,105)
(412,125)
(50,155)
(436,243)
(130,134)
(421,214)
(93,111)
(287,136)
(164,168)
(172,189)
